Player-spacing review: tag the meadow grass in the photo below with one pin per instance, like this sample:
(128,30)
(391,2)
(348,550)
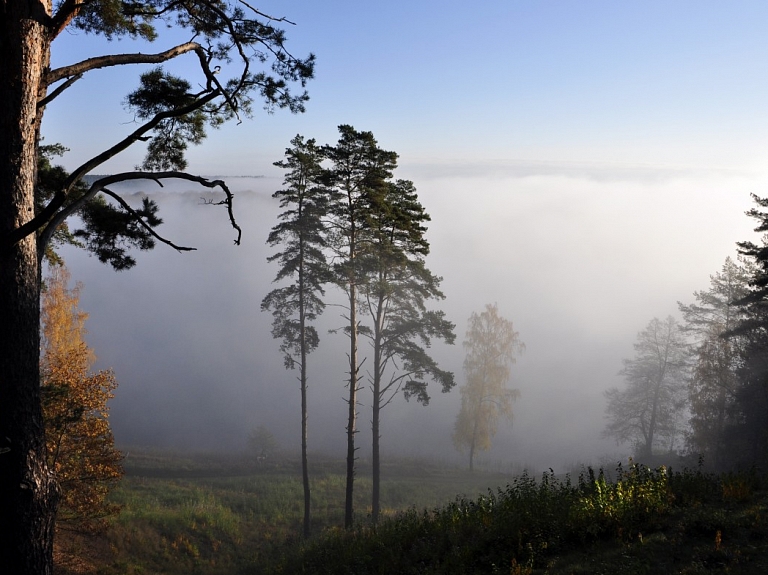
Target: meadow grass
(216,518)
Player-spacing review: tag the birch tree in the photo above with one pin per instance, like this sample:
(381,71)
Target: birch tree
(649,411)
(79,442)
(492,346)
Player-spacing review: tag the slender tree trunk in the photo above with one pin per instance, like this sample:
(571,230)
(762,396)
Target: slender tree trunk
(304,417)
(352,415)
(28,491)
(304,459)
(375,423)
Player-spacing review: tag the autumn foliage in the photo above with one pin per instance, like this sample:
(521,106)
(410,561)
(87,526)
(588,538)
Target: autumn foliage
(79,440)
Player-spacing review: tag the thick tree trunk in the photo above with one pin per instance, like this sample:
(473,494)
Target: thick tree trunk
(28,493)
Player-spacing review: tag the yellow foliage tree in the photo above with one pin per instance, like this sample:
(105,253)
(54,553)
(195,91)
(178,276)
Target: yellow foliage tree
(79,440)
(491,345)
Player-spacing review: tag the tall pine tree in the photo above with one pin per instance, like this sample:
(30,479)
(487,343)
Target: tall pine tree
(396,292)
(302,260)
(358,174)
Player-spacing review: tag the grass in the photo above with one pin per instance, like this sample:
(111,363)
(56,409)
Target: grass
(219,517)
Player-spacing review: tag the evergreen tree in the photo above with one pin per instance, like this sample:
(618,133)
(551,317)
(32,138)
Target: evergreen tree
(396,292)
(747,438)
(229,42)
(357,179)
(714,380)
(302,260)
(491,346)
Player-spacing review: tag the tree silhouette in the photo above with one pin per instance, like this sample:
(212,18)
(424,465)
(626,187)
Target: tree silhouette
(357,179)
(396,292)
(296,305)
(648,412)
(240,58)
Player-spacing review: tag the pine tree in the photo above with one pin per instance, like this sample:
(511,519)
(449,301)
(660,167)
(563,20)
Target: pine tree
(747,438)
(302,260)
(357,178)
(714,379)
(396,292)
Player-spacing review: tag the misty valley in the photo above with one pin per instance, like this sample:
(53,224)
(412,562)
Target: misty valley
(235,463)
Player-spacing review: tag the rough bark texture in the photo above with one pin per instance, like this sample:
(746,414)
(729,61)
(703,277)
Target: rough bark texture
(28,492)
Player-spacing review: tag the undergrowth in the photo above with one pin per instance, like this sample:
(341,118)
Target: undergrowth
(641,520)
(529,525)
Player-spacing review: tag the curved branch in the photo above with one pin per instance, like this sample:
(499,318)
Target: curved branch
(119,60)
(100,186)
(141,221)
(61,196)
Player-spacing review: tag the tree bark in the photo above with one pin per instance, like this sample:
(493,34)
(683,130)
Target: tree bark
(28,491)
(352,414)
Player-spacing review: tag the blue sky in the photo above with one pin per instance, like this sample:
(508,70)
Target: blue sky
(586,164)
(664,83)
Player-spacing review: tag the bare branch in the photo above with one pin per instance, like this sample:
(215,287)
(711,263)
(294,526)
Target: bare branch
(50,97)
(100,186)
(119,60)
(141,221)
(267,16)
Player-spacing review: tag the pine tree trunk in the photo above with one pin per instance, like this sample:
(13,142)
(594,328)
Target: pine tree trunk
(352,414)
(376,489)
(28,492)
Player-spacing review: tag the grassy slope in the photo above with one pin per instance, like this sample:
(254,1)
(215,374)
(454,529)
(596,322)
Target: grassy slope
(185,516)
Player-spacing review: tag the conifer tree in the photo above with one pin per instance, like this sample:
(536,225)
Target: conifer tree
(302,260)
(357,178)
(747,439)
(714,379)
(402,328)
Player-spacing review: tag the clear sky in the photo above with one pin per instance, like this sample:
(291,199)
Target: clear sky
(586,165)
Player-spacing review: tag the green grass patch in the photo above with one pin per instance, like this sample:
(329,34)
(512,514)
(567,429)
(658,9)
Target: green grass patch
(216,518)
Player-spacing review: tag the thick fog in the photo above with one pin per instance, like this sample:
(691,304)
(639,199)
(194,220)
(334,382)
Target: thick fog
(580,257)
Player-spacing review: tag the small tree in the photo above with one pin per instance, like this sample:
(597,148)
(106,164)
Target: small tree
(296,305)
(262,443)
(648,412)
(491,346)
(79,440)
